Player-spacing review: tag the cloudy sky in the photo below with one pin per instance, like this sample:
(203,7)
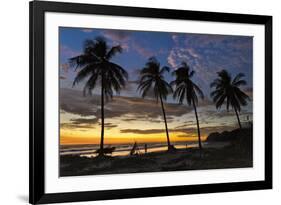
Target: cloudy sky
(130,118)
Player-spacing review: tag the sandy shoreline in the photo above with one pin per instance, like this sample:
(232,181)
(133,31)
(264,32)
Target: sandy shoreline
(237,154)
(190,159)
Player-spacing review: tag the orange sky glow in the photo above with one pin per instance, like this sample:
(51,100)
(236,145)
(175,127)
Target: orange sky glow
(69,138)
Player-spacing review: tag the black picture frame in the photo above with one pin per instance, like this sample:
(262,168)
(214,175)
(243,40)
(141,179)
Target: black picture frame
(37,193)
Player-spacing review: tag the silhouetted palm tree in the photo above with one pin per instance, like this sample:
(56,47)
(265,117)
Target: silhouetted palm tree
(97,70)
(152,78)
(187,90)
(228,90)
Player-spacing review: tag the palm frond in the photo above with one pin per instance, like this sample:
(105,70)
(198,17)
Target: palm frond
(143,84)
(118,72)
(88,46)
(191,74)
(239,83)
(238,77)
(145,89)
(168,87)
(94,63)
(241,96)
(90,84)
(216,92)
(216,83)
(185,87)
(146,76)
(164,69)
(179,93)
(220,101)
(152,78)
(85,72)
(199,91)
(113,51)
(228,90)
(81,60)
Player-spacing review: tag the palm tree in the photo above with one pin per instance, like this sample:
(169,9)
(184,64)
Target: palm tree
(187,90)
(228,90)
(152,78)
(97,69)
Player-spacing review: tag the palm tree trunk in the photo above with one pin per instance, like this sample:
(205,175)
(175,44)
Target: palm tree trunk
(102,115)
(198,128)
(238,118)
(166,126)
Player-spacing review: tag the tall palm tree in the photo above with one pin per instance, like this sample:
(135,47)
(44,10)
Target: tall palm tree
(187,90)
(97,69)
(227,89)
(152,78)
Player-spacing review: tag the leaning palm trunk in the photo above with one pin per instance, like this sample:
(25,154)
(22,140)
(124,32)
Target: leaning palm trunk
(166,126)
(239,123)
(102,115)
(152,77)
(198,128)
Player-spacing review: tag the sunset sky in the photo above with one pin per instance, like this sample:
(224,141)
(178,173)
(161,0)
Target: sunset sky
(128,117)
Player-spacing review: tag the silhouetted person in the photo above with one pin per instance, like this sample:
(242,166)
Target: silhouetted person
(145,148)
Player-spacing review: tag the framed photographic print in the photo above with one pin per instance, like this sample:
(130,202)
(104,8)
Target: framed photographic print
(140,102)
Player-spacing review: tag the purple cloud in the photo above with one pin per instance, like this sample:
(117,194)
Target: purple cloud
(142,50)
(68,52)
(117,35)
(207,54)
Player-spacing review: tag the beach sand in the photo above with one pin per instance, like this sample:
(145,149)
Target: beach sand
(184,159)
(237,154)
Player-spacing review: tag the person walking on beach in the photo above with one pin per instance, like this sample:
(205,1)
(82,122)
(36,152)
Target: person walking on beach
(145,148)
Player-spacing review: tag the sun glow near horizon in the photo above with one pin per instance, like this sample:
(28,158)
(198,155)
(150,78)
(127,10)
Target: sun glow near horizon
(76,138)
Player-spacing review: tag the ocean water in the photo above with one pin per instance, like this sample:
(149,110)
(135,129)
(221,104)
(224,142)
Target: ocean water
(124,149)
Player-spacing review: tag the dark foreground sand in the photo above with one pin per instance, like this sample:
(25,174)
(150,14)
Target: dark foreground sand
(211,158)
(238,154)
